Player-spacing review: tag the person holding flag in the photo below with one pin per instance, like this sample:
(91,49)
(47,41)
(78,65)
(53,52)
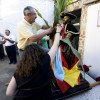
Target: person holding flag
(31,80)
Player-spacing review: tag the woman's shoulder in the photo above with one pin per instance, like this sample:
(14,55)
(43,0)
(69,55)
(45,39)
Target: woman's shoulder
(46,58)
(46,55)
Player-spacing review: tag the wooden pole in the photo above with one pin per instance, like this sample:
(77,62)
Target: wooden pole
(95,84)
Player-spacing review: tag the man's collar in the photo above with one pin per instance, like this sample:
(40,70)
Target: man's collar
(27,22)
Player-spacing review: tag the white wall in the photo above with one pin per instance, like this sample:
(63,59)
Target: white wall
(92,41)
(12,13)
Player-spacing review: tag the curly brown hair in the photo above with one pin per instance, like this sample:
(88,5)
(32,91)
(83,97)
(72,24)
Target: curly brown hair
(30,60)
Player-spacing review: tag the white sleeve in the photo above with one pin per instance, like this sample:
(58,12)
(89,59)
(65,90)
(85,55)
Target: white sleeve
(1,34)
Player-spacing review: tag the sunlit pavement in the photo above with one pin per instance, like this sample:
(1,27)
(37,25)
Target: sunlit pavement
(6,72)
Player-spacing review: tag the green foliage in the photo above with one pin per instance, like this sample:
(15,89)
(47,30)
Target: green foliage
(75,52)
(59,7)
(39,14)
(69,1)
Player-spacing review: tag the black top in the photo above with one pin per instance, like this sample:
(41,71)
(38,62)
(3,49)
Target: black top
(36,87)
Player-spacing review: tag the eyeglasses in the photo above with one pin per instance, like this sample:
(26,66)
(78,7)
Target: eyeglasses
(33,14)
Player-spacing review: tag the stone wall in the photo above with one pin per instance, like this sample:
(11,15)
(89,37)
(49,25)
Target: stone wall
(83,27)
(83,5)
(74,6)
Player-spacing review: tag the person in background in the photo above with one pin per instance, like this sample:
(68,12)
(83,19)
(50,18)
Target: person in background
(43,42)
(1,51)
(27,30)
(1,35)
(9,42)
(32,81)
(1,47)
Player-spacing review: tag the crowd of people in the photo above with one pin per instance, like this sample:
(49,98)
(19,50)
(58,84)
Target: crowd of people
(31,79)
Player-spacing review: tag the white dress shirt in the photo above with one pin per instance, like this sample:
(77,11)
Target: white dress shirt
(10,37)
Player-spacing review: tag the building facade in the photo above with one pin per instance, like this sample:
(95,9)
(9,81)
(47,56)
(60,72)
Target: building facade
(88,17)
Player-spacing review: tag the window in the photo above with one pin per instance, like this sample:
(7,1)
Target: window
(98,19)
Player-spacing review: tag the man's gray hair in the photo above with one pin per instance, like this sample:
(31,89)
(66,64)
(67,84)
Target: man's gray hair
(27,10)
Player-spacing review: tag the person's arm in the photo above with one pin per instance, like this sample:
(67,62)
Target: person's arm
(47,38)
(11,41)
(11,87)
(44,27)
(1,35)
(35,38)
(2,42)
(54,48)
(39,42)
(26,33)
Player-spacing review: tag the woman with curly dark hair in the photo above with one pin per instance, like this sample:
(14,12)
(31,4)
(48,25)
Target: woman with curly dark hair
(31,80)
